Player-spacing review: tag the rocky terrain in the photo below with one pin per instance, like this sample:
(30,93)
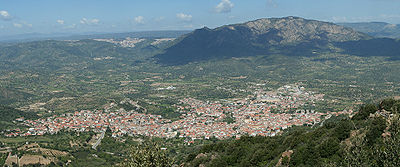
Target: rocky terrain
(262,36)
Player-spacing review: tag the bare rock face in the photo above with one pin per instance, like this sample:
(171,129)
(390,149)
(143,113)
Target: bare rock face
(296,29)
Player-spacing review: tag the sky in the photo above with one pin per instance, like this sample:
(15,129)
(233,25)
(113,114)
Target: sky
(83,16)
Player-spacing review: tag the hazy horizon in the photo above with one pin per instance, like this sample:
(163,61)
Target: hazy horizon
(75,17)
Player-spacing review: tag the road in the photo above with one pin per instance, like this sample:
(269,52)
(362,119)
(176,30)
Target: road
(98,140)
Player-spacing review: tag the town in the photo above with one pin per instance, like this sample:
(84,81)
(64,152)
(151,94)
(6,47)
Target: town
(266,114)
(131,42)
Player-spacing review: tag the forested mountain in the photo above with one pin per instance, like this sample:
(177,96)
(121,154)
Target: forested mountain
(387,47)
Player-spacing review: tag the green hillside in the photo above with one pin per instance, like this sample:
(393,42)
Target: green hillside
(369,138)
(9,114)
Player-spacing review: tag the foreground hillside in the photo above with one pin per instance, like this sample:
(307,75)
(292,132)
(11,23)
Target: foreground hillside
(369,138)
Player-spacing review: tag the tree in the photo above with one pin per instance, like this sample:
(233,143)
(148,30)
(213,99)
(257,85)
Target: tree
(148,155)
(385,153)
(387,104)
(388,152)
(285,161)
(364,112)
(329,147)
(343,129)
(377,127)
(358,154)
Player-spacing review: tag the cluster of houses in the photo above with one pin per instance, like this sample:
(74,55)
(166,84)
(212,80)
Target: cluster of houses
(198,120)
(127,42)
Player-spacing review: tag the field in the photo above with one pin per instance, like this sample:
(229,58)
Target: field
(33,159)
(20,140)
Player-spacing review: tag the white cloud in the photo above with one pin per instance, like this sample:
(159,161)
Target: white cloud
(225,6)
(139,20)
(4,15)
(18,25)
(60,22)
(184,17)
(89,21)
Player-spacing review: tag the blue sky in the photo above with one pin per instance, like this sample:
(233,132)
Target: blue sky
(78,16)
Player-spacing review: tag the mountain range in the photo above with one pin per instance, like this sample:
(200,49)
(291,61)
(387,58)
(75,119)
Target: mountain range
(292,36)
(376,29)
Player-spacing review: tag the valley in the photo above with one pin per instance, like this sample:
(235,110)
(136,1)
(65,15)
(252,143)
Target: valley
(90,100)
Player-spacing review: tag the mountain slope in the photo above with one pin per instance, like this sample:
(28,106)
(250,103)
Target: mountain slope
(373,47)
(261,36)
(8,115)
(376,29)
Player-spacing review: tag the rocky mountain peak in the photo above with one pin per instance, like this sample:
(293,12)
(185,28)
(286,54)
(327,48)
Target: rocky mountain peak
(296,29)
(291,35)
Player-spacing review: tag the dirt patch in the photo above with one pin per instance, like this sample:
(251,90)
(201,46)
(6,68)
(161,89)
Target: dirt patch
(287,154)
(73,144)
(11,160)
(33,159)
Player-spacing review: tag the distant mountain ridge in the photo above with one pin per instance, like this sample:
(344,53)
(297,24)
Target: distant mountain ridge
(262,36)
(376,29)
(296,29)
